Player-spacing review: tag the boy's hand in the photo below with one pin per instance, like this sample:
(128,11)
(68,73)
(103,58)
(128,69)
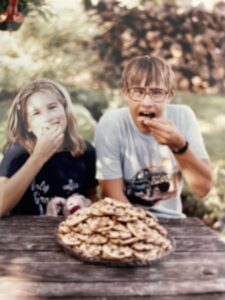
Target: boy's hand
(165,132)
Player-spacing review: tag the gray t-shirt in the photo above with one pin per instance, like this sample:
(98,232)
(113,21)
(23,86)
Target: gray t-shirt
(151,174)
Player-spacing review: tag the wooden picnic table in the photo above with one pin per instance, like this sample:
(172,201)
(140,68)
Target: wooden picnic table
(33,266)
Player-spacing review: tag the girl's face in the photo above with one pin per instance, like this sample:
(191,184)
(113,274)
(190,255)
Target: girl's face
(43,111)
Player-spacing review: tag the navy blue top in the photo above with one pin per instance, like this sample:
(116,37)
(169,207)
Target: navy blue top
(61,176)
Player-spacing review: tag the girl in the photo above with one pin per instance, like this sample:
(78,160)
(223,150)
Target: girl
(45,161)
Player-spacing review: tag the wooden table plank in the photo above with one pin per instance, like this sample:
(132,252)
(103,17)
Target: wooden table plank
(21,257)
(58,272)
(37,268)
(46,230)
(43,243)
(97,289)
(44,220)
(67,272)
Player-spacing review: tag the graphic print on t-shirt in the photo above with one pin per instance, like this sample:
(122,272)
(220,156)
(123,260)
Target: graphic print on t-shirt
(39,194)
(152,184)
(42,193)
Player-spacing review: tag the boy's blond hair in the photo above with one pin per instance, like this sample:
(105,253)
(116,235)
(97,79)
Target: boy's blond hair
(150,69)
(16,128)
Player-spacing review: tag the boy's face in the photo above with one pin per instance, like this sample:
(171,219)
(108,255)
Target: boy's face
(147,102)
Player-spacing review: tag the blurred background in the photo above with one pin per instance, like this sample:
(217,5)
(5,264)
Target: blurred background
(85,44)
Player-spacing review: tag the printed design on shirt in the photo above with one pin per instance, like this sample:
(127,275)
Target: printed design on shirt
(152,184)
(39,191)
(71,186)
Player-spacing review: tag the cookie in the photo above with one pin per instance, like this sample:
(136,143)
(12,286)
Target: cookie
(79,216)
(111,230)
(147,255)
(82,228)
(70,239)
(100,224)
(115,252)
(90,250)
(122,235)
(139,229)
(63,227)
(97,239)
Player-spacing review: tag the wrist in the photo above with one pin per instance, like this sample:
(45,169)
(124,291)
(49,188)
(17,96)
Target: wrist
(181,150)
(37,160)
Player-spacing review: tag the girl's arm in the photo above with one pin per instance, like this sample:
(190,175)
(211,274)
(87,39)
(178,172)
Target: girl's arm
(12,189)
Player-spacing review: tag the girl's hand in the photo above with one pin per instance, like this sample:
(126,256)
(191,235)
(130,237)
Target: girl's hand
(74,203)
(55,206)
(49,142)
(165,132)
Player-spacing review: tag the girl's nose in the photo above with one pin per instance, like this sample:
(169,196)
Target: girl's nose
(46,116)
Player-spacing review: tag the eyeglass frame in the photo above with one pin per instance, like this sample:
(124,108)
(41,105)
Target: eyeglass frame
(147,93)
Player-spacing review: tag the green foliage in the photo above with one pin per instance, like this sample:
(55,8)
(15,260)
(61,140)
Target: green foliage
(210,111)
(4,108)
(96,101)
(212,209)
(142,2)
(52,42)
(86,123)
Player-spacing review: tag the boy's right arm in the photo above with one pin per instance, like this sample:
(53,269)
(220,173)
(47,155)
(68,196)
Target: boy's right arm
(108,146)
(113,188)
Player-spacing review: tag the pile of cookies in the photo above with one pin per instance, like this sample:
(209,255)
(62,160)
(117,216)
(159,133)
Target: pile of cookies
(113,231)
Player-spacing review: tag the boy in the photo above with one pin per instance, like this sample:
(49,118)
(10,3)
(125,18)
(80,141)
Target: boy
(145,150)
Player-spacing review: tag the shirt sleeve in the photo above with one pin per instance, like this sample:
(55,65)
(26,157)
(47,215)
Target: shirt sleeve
(193,134)
(107,143)
(13,160)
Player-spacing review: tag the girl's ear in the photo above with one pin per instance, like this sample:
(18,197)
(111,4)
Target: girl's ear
(125,95)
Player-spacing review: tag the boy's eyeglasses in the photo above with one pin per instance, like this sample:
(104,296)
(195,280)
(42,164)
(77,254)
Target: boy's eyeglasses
(138,94)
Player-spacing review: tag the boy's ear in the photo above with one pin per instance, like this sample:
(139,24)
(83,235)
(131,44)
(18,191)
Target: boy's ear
(170,96)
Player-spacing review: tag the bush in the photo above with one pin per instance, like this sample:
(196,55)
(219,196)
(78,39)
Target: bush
(212,209)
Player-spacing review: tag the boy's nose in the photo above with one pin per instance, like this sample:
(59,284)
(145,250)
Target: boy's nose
(147,100)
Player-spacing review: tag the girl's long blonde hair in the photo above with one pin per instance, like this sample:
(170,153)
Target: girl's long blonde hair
(16,130)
